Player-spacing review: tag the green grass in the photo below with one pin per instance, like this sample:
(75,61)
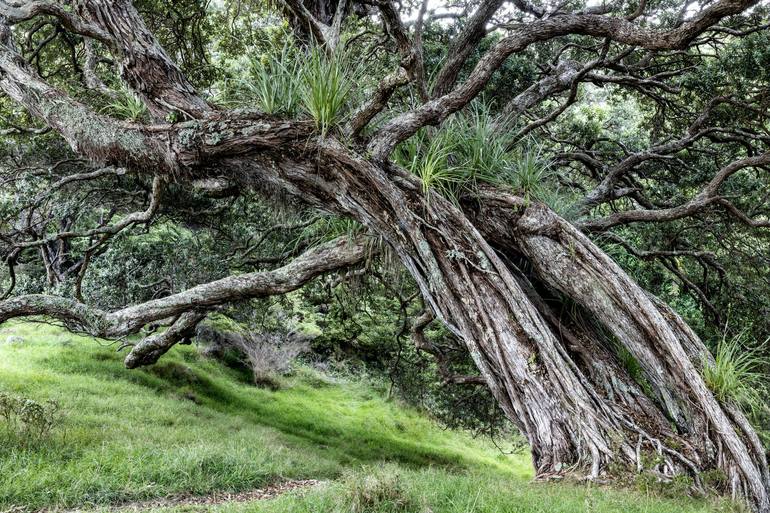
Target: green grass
(269,83)
(736,374)
(126,105)
(394,489)
(190,425)
(474,146)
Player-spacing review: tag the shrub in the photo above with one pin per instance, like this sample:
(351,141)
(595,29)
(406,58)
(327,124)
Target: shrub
(269,354)
(27,421)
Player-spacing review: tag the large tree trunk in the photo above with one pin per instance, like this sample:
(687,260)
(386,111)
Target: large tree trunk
(562,385)
(671,355)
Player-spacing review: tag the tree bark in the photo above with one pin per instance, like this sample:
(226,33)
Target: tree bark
(670,353)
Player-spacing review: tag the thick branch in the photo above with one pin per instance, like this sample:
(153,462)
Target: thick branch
(333,255)
(143,63)
(28,10)
(463,45)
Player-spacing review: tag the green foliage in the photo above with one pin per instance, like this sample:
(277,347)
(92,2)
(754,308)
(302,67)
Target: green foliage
(327,80)
(126,105)
(474,146)
(271,84)
(736,374)
(331,227)
(629,363)
(678,486)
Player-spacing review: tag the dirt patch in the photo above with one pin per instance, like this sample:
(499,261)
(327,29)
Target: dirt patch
(269,492)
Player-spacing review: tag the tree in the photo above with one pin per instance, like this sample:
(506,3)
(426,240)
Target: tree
(491,261)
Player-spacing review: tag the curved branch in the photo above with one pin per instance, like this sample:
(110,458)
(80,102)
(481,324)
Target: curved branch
(190,304)
(18,13)
(142,61)
(616,29)
(151,348)
(707,196)
(107,230)
(462,46)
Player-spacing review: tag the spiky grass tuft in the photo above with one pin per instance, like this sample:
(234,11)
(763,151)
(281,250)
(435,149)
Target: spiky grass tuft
(275,85)
(326,85)
(473,147)
(528,172)
(270,84)
(736,373)
(126,105)
(479,143)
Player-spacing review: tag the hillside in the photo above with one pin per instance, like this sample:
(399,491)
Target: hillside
(189,425)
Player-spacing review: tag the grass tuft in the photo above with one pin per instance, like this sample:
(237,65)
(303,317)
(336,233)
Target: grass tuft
(735,374)
(326,85)
(378,490)
(126,105)
(270,83)
(474,146)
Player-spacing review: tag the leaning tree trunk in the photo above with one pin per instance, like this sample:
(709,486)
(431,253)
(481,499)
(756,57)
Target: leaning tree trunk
(671,355)
(562,386)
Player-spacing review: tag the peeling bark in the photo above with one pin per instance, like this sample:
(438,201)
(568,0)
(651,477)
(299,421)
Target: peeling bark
(671,355)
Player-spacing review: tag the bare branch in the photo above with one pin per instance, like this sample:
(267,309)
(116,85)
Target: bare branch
(706,197)
(333,255)
(614,29)
(462,46)
(27,10)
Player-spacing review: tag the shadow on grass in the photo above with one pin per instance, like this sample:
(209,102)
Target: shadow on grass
(329,419)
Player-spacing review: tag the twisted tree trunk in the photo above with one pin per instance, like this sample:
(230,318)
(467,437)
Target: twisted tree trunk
(669,352)
(563,387)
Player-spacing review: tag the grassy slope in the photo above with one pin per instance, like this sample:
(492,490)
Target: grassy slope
(192,425)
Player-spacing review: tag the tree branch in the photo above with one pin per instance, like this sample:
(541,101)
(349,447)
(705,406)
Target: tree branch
(706,197)
(615,29)
(338,253)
